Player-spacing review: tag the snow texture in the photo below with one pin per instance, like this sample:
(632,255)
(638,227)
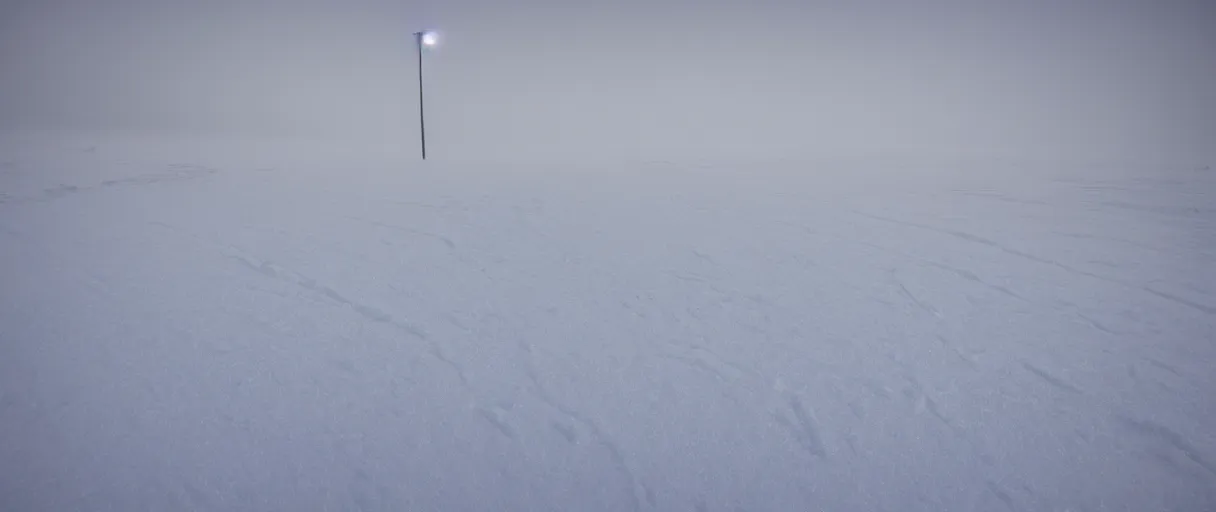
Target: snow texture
(180,331)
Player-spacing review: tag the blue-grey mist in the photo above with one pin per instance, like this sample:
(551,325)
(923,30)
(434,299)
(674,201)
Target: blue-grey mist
(324,329)
(650,79)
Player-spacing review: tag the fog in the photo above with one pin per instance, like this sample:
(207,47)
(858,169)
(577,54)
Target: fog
(227,283)
(671,79)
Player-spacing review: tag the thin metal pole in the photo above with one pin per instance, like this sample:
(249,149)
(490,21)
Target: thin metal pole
(421,103)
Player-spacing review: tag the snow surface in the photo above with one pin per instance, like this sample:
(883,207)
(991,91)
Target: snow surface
(190,328)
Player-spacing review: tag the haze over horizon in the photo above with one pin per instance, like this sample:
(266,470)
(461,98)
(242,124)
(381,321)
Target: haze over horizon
(633,274)
(662,79)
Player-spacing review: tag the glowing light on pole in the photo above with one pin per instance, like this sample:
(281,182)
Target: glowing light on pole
(430,39)
(423,40)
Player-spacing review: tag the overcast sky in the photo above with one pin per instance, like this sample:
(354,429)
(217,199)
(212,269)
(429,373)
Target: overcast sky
(655,78)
